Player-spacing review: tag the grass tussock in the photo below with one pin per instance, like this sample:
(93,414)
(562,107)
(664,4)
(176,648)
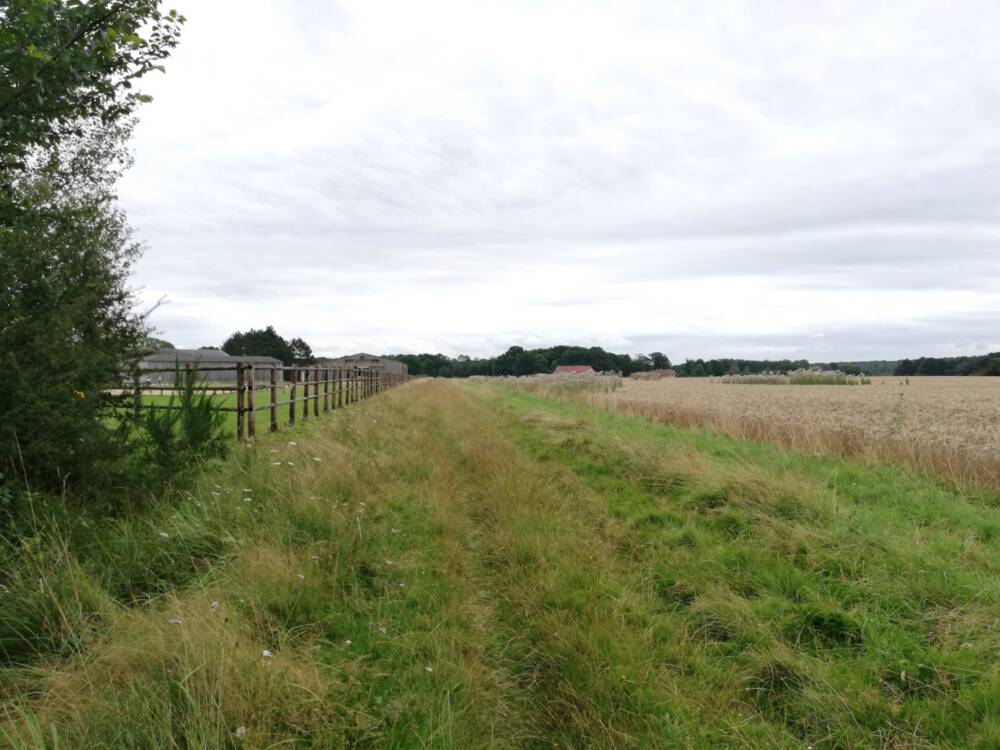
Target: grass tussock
(466,566)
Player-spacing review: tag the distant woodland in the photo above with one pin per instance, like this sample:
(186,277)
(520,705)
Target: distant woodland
(519,361)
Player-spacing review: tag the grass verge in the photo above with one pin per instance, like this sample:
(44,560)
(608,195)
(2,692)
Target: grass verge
(454,565)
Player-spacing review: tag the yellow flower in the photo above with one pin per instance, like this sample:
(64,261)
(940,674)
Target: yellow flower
(79,394)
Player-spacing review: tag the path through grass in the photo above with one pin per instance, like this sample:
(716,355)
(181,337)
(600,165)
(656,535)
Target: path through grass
(452,565)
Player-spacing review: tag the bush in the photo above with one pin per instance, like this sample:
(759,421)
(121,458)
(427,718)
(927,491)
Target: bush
(186,432)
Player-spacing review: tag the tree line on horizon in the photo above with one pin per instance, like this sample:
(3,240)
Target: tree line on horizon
(520,361)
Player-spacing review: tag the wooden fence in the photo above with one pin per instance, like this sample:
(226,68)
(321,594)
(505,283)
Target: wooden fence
(308,390)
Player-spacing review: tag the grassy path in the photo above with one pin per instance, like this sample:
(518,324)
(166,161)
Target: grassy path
(453,566)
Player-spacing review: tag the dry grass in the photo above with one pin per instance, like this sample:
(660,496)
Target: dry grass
(948,427)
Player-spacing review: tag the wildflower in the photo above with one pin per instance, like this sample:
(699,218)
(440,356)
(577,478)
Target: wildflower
(290,463)
(214,605)
(428,669)
(382,630)
(292,443)
(247,490)
(216,494)
(276,463)
(273,450)
(315,557)
(301,577)
(164,535)
(175,621)
(348,642)
(79,394)
(317,459)
(402,585)
(248,499)
(241,731)
(265,654)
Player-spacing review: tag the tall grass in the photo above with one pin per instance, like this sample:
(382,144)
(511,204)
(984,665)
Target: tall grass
(558,384)
(463,566)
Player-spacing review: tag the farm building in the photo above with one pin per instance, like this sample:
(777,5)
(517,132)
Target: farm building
(575,370)
(165,359)
(371,362)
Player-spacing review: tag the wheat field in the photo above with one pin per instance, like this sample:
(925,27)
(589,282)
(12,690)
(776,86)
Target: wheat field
(942,425)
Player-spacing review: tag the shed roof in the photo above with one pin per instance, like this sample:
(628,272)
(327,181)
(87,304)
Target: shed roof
(188,355)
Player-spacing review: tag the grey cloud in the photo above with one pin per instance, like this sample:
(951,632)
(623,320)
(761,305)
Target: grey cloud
(842,147)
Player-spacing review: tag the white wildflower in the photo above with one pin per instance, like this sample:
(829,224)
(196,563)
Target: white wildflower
(241,731)
(265,654)
(175,621)
(292,443)
(164,535)
(428,669)
(382,630)
(301,577)
(317,459)
(276,463)
(247,490)
(290,463)
(214,605)
(348,642)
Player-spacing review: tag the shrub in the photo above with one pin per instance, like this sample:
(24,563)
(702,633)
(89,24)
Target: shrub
(187,431)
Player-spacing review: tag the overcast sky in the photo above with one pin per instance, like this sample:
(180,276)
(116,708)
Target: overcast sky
(757,179)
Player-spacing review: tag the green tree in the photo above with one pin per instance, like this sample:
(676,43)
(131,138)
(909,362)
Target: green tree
(68,329)
(67,323)
(65,62)
(302,353)
(660,361)
(259,342)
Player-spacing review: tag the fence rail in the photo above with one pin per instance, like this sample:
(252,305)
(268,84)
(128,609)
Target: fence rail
(314,388)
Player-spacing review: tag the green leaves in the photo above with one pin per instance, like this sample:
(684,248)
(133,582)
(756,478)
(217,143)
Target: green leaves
(66,61)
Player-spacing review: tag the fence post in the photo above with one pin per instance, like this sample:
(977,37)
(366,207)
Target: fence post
(305,394)
(251,404)
(326,389)
(315,390)
(291,396)
(274,399)
(240,407)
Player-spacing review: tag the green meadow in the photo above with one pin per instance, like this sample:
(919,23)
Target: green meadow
(455,565)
